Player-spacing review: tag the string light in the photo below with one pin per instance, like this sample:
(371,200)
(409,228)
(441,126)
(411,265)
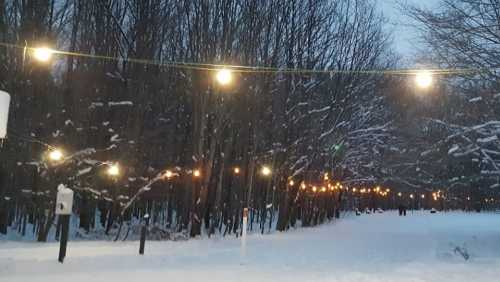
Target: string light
(423,79)
(266,171)
(168,174)
(256,69)
(42,54)
(260,69)
(114,170)
(224,76)
(56,155)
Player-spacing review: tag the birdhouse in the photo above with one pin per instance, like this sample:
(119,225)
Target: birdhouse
(64,201)
(4,113)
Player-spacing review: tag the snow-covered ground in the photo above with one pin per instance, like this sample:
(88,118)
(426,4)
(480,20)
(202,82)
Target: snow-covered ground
(378,247)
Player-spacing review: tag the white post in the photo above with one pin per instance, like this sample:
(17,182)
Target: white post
(244,236)
(4,113)
(64,207)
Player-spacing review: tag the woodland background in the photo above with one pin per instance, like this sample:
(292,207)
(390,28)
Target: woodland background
(142,99)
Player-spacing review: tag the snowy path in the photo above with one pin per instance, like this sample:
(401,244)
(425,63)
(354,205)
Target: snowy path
(380,247)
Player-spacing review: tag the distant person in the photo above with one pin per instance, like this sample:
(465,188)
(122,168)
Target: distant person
(402,210)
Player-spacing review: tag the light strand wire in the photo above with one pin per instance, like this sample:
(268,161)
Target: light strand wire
(256,69)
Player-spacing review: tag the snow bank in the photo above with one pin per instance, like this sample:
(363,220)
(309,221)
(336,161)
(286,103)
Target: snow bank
(377,247)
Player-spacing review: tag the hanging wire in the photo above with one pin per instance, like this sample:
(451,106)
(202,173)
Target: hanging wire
(253,69)
(12,133)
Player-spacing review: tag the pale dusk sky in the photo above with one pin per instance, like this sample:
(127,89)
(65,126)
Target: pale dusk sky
(406,40)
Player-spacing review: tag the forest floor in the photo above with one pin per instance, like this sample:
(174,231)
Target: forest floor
(377,247)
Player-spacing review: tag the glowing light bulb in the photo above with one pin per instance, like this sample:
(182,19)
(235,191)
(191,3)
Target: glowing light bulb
(168,174)
(423,79)
(114,170)
(266,171)
(55,155)
(224,76)
(42,54)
